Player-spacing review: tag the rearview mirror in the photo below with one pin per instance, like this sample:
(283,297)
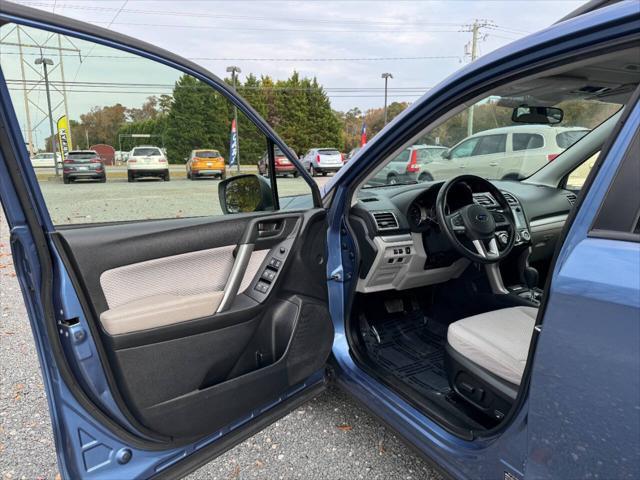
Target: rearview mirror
(538,115)
(245,193)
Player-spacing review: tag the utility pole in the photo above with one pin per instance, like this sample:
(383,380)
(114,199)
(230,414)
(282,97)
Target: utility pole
(21,38)
(44,62)
(472,51)
(386,77)
(64,86)
(32,147)
(234,76)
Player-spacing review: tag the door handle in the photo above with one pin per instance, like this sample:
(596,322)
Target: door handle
(235,277)
(269,229)
(493,164)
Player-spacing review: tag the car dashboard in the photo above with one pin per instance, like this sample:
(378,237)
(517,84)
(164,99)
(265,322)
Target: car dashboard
(401,245)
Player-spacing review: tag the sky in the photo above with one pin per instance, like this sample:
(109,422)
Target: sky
(346,44)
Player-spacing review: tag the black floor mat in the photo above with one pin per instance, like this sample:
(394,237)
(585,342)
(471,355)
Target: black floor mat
(410,346)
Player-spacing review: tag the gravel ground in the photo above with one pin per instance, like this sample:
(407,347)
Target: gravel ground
(328,438)
(118,200)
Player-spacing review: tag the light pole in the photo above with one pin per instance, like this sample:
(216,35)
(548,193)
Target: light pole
(44,62)
(386,77)
(234,76)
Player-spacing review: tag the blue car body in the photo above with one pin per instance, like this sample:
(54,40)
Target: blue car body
(588,348)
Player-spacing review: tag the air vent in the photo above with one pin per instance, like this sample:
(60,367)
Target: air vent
(571,197)
(369,199)
(385,220)
(511,200)
(485,200)
(594,89)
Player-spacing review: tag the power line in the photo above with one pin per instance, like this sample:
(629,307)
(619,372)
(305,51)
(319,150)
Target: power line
(244,28)
(124,92)
(346,21)
(87,84)
(326,59)
(108,25)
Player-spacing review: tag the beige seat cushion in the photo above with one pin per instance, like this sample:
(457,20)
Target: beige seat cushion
(498,341)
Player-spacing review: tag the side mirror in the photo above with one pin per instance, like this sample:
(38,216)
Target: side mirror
(537,115)
(245,193)
(446,154)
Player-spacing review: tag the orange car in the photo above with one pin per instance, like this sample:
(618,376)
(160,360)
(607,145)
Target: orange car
(205,163)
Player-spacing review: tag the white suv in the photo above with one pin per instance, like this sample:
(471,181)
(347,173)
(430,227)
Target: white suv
(505,153)
(322,160)
(147,161)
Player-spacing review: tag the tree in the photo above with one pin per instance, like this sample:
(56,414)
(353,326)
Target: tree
(148,111)
(103,123)
(199,118)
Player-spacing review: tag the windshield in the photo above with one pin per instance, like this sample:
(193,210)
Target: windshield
(485,141)
(80,156)
(146,152)
(207,154)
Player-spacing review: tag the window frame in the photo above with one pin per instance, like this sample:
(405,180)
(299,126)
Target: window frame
(618,215)
(124,43)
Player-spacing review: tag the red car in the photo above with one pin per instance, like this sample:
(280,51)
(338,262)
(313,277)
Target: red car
(283,166)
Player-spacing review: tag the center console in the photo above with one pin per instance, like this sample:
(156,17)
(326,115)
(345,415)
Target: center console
(523,280)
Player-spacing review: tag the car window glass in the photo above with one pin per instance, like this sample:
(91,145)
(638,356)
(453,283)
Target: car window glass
(465,149)
(146,152)
(527,141)
(577,177)
(566,139)
(163,138)
(402,157)
(328,152)
(427,154)
(207,154)
(490,144)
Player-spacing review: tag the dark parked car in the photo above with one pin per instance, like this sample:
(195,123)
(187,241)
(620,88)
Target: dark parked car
(83,165)
(282,164)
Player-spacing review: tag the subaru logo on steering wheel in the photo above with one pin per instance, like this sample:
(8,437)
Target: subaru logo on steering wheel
(482,217)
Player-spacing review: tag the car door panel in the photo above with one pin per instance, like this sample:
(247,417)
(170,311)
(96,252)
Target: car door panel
(184,368)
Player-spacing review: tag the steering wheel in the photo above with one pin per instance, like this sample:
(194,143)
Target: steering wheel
(476,222)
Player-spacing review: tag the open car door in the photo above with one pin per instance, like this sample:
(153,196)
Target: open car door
(166,331)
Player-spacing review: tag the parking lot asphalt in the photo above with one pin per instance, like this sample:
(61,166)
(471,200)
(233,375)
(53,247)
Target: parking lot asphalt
(329,438)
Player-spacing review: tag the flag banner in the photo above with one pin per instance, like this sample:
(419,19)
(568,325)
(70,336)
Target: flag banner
(363,135)
(233,147)
(64,138)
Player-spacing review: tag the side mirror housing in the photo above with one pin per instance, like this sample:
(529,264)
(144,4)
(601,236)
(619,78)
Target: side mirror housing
(446,154)
(245,193)
(537,115)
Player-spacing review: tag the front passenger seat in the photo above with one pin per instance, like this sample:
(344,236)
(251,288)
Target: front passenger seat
(486,357)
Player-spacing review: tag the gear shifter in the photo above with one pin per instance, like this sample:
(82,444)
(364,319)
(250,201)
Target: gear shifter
(530,276)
